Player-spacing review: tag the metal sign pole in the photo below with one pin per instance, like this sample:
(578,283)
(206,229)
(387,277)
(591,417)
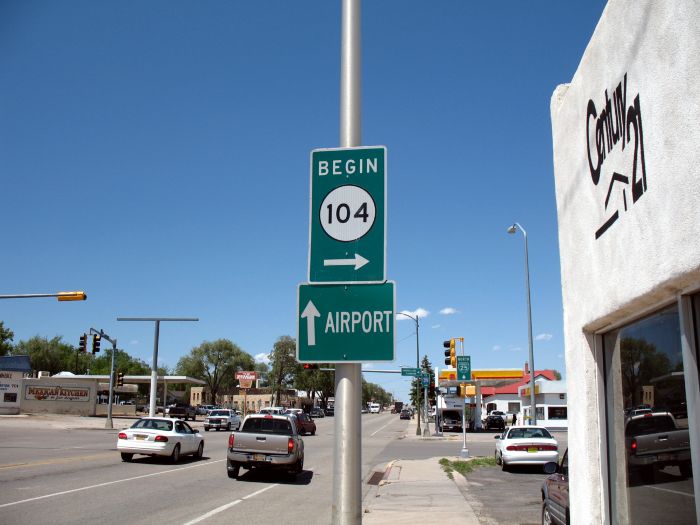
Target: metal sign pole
(347,483)
(465,451)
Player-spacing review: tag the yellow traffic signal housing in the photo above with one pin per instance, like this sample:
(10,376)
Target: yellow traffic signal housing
(82,345)
(120,378)
(96,343)
(451,353)
(72,296)
(467,390)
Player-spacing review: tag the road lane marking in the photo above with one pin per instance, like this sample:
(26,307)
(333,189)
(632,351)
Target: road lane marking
(389,423)
(671,491)
(56,461)
(229,505)
(235,502)
(107,483)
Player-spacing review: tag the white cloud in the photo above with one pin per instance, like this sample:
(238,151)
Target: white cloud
(449,311)
(262,358)
(419,313)
(543,337)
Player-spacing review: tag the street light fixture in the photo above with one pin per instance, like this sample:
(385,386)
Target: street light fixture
(61,296)
(418,429)
(533,408)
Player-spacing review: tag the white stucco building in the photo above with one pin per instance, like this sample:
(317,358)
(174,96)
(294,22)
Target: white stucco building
(626,144)
(550,399)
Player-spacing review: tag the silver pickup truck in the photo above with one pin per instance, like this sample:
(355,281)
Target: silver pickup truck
(654,441)
(265,441)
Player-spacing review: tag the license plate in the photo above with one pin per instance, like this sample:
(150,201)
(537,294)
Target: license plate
(665,457)
(532,449)
(258,457)
(141,437)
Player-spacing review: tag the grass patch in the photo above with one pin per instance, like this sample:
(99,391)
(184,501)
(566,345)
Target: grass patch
(464,467)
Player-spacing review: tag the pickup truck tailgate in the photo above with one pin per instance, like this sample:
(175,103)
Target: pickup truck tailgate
(260,443)
(671,441)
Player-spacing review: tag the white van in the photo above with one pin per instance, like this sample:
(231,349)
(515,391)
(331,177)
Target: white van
(374,408)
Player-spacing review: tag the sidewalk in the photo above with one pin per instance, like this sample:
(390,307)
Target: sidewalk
(413,490)
(63,421)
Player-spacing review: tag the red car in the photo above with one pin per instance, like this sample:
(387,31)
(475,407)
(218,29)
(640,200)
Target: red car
(305,424)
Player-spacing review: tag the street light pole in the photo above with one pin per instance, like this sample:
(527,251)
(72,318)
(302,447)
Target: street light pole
(154,365)
(418,429)
(533,408)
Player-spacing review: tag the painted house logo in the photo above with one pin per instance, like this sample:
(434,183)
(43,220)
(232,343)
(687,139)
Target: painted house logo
(617,125)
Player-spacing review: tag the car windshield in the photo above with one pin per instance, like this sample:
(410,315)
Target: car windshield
(219,413)
(529,433)
(153,424)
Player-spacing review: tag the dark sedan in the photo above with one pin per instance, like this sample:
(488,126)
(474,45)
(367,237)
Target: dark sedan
(494,423)
(316,412)
(555,493)
(405,414)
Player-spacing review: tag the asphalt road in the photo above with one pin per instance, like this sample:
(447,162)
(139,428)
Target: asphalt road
(76,476)
(57,476)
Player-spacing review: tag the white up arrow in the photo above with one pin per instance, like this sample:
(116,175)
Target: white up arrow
(311,313)
(358,261)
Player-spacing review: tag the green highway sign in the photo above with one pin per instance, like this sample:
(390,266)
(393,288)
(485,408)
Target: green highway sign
(347,226)
(464,368)
(412,372)
(346,323)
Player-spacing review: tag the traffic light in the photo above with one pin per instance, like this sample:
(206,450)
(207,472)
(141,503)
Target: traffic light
(450,353)
(120,378)
(82,345)
(96,343)
(309,366)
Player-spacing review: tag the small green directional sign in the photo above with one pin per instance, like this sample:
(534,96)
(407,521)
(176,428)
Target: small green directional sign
(464,367)
(346,323)
(347,226)
(411,372)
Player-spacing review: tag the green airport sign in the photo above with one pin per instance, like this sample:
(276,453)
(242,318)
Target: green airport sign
(346,323)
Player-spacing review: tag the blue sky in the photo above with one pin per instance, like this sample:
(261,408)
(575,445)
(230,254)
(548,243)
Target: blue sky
(156,155)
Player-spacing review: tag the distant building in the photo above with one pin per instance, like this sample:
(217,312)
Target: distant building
(13,369)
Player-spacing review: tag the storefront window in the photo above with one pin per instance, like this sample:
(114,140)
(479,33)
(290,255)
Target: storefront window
(647,422)
(556,413)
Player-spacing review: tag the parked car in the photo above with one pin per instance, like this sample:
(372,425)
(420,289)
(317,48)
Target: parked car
(295,411)
(494,422)
(266,441)
(450,420)
(555,493)
(522,445)
(203,410)
(305,424)
(160,436)
(316,412)
(405,414)
(329,411)
(222,419)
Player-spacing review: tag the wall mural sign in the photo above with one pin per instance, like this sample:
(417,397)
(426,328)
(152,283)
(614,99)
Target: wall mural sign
(615,125)
(56,393)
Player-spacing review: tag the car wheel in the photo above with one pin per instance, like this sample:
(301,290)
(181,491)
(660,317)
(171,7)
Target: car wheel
(300,466)
(233,472)
(497,458)
(313,432)
(200,451)
(194,417)
(546,515)
(127,457)
(504,466)
(175,456)
(206,429)
(228,426)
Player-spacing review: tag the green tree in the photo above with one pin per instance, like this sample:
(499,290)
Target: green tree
(215,363)
(416,384)
(640,362)
(6,336)
(51,355)
(283,366)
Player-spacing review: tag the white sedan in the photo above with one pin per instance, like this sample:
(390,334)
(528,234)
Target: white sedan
(525,446)
(160,436)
